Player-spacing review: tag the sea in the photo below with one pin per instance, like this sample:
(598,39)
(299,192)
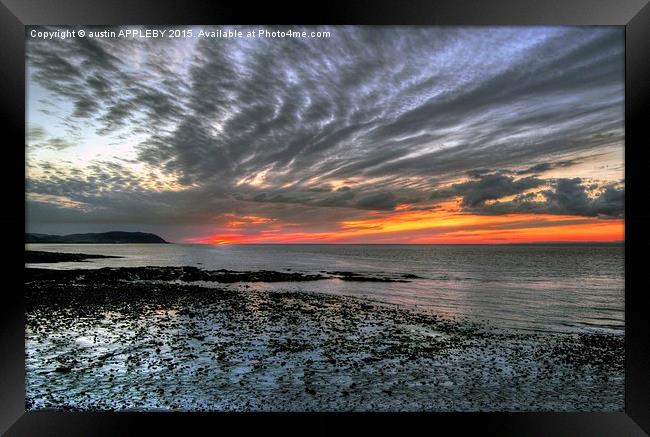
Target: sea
(568,288)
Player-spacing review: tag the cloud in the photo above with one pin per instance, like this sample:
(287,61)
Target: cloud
(571,197)
(36,133)
(340,197)
(492,187)
(563,197)
(382,200)
(38,138)
(499,193)
(97,78)
(391,114)
(546,166)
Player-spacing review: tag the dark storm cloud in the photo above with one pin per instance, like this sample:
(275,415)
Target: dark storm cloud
(571,197)
(485,192)
(383,200)
(492,187)
(392,112)
(484,187)
(562,196)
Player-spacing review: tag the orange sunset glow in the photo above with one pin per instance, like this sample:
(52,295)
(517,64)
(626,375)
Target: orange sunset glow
(436,227)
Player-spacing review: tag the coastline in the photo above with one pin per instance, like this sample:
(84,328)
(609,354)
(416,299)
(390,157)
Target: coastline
(98,341)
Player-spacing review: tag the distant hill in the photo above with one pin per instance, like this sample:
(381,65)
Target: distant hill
(104,237)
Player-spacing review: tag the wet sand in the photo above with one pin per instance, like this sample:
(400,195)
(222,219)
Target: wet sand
(120,339)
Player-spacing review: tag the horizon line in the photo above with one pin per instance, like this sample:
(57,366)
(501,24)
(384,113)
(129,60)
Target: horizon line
(532,243)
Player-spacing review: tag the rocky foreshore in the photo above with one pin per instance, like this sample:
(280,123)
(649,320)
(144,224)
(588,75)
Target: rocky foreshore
(38,256)
(110,339)
(195,274)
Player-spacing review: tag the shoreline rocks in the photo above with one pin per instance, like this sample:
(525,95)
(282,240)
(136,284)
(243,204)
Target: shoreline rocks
(194,274)
(37,257)
(183,347)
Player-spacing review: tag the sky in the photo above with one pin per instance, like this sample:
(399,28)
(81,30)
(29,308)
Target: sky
(372,135)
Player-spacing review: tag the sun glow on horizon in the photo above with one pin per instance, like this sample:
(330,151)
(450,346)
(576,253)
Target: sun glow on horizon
(439,226)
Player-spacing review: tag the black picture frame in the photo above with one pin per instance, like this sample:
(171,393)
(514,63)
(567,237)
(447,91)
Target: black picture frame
(633,14)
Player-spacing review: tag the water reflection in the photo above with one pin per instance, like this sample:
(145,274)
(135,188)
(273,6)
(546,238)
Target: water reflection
(557,288)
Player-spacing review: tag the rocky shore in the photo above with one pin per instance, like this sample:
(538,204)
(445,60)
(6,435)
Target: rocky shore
(194,274)
(129,339)
(38,256)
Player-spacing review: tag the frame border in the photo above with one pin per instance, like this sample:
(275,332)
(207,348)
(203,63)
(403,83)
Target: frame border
(633,14)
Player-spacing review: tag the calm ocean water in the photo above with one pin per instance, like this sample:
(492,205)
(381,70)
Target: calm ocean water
(560,288)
